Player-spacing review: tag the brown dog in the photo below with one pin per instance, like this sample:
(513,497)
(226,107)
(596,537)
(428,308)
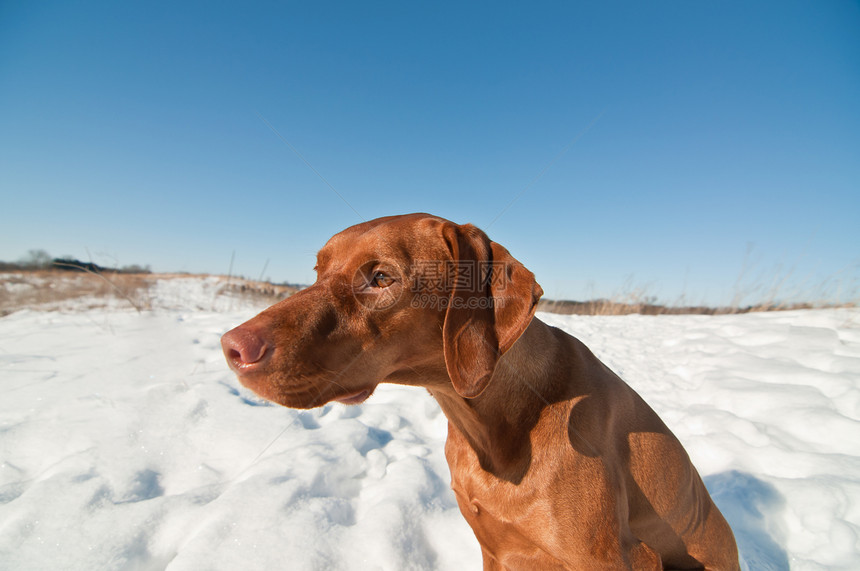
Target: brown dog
(556,463)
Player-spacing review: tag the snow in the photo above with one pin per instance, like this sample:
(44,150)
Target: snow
(126,443)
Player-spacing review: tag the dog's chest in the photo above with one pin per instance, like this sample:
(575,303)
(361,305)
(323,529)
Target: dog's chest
(508,529)
(512,522)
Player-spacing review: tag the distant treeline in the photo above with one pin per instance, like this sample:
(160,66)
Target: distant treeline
(74,265)
(41,260)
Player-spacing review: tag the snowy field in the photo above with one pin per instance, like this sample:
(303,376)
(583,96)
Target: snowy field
(126,443)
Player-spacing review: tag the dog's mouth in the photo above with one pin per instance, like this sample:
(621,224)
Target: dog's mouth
(354,398)
(309,394)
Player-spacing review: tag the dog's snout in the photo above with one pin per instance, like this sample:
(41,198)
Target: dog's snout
(243,348)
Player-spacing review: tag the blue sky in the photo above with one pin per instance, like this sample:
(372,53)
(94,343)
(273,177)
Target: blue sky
(693,150)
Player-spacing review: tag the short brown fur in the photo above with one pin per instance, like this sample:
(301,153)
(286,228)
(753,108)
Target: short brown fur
(555,462)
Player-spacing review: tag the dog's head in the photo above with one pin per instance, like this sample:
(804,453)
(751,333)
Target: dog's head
(411,299)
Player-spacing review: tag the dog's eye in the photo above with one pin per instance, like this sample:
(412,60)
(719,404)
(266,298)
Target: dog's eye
(381,279)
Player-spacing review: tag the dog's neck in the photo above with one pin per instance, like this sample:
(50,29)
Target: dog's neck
(497,424)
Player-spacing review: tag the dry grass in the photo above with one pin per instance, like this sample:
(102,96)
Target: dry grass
(261,293)
(610,307)
(768,291)
(56,289)
(50,288)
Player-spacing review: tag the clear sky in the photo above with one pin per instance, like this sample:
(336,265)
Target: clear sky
(696,150)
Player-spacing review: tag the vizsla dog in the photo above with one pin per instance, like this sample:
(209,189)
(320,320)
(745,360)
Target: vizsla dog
(555,462)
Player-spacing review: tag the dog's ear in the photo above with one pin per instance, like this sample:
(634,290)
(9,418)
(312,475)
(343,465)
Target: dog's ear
(492,300)
(515,296)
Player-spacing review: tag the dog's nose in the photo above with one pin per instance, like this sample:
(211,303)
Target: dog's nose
(243,348)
